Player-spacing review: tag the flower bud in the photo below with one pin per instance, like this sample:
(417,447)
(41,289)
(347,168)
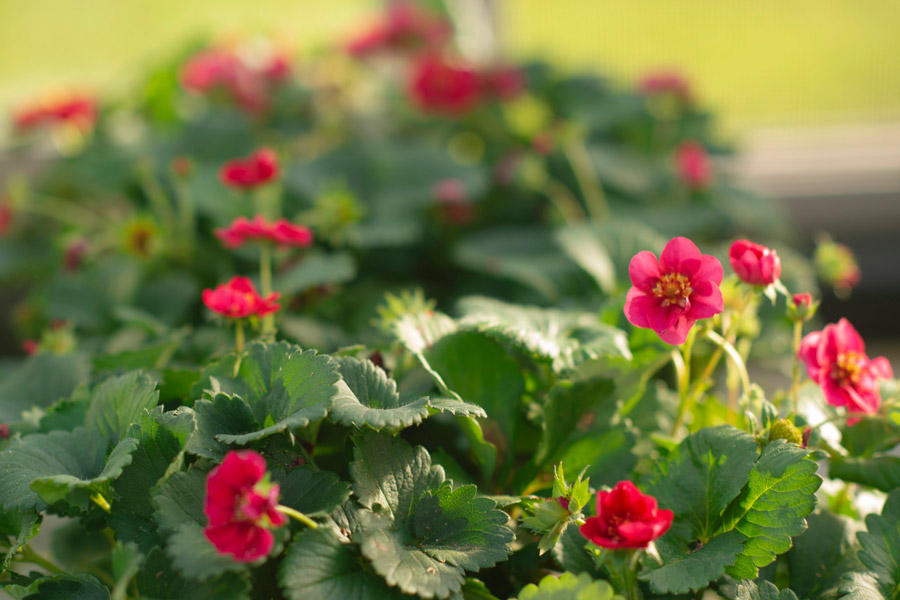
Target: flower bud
(837,266)
(801,308)
(783,429)
(754,263)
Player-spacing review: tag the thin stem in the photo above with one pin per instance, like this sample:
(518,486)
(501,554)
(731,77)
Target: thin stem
(735,357)
(158,198)
(186,216)
(30,556)
(239,336)
(795,372)
(296,514)
(684,381)
(265,282)
(583,167)
(563,200)
(100,501)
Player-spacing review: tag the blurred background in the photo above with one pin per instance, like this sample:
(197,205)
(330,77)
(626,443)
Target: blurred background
(807,92)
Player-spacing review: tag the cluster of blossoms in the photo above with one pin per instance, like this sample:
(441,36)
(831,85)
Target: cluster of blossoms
(243,77)
(438,83)
(76,110)
(239,299)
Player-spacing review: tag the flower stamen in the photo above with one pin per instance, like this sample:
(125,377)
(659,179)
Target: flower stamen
(673,288)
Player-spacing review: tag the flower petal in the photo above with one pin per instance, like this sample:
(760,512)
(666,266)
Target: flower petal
(644,270)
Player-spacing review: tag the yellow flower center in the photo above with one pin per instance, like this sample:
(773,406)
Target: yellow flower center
(848,368)
(673,288)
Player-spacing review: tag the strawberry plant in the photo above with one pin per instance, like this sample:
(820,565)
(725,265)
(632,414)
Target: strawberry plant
(490,337)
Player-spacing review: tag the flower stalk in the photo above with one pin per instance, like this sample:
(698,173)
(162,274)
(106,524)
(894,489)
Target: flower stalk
(297,515)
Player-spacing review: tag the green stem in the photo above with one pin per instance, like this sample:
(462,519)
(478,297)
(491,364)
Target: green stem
(684,381)
(296,514)
(795,372)
(583,167)
(239,336)
(158,198)
(30,556)
(735,357)
(186,217)
(265,282)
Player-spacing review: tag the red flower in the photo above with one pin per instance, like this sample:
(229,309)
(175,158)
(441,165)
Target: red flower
(241,505)
(4,431)
(255,170)
(665,82)
(77,110)
(671,294)
(502,82)
(30,347)
(626,518)
(754,263)
(281,232)
(74,254)
(836,359)
(440,87)
(694,168)
(404,27)
(801,307)
(238,299)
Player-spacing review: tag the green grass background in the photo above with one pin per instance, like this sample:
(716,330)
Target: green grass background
(753,61)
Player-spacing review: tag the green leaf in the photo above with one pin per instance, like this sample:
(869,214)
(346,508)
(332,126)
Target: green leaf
(864,586)
(39,382)
(370,398)
(684,571)
(311,492)
(161,438)
(222,415)
(816,560)
(64,587)
(764,590)
(284,387)
(879,472)
(583,246)
(568,586)
(525,255)
(179,513)
(126,560)
(703,475)
(772,507)
(482,372)
(318,567)
(157,579)
(155,355)
(880,550)
(422,534)
(474,589)
(21,526)
(571,555)
(61,465)
(118,402)
(565,338)
(315,270)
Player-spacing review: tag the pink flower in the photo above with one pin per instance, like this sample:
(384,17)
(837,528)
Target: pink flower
(694,168)
(665,82)
(405,27)
(30,347)
(238,299)
(502,82)
(836,359)
(671,294)
(241,506)
(281,232)
(223,70)
(74,254)
(257,169)
(754,263)
(438,86)
(626,518)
